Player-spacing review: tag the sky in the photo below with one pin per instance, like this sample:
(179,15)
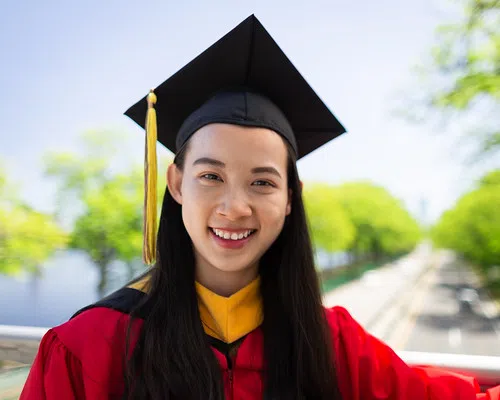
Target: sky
(68,67)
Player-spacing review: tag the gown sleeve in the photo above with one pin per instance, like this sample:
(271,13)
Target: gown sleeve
(369,369)
(82,359)
(55,374)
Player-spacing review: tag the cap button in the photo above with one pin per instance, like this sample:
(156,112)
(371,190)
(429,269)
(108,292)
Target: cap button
(151,98)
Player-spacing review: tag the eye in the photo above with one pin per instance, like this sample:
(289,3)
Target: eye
(211,177)
(263,183)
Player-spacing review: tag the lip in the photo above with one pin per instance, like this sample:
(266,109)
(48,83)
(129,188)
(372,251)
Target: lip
(241,230)
(229,243)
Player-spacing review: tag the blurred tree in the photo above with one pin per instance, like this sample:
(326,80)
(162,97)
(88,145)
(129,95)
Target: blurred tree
(27,237)
(108,223)
(110,228)
(383,226)
(468,52)
(463,77)
(331,228)
(472,226)
(490,179)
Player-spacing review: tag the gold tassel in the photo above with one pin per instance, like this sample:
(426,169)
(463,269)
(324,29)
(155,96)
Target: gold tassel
(150,178)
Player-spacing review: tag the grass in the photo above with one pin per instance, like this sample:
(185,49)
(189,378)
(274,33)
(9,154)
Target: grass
(332,279)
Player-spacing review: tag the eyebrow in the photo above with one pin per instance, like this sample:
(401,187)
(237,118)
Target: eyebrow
(210,161)
(217,163)
(269,170)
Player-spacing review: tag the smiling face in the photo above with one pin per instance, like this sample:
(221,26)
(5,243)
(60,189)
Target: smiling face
(234,194)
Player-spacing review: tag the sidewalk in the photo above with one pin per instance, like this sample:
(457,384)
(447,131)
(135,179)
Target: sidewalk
(368,297)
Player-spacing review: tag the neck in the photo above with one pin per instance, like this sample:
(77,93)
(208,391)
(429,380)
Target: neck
(224,283)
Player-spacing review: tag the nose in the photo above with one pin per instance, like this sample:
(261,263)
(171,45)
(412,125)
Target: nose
(235,205)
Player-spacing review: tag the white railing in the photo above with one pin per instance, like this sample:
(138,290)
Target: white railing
(20,344)
(21,333)
(485,368)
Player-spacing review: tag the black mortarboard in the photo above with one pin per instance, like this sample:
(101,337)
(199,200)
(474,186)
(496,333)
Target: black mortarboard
(243,79)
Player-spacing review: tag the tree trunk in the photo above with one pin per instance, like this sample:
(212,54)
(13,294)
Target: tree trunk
(106,255)
(103,279)
(103,265)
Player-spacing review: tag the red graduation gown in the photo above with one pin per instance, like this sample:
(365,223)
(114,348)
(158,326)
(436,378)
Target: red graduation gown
(82,359)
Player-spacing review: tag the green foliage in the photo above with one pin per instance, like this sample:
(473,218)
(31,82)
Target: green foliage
(331,228)
(27,237)
(87,171)
(383,226)
(490,179)
(110,227)
(472,226)
(359,217)
(108,224)
(468,51)
(462,77)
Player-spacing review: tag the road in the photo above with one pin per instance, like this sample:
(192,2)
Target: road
(369,298)
(435,322)
(412,305)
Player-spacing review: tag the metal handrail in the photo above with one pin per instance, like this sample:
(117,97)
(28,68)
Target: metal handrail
(486,369)
(14,333)
(20,343)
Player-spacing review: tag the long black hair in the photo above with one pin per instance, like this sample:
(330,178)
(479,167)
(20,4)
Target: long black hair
(173,359)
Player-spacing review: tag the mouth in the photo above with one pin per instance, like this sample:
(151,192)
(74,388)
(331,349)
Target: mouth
(232,239)
(233,234)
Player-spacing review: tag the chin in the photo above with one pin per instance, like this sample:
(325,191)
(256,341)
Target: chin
(232,267)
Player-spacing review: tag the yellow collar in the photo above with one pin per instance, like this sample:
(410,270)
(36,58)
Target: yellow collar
(225,318)
(230,318)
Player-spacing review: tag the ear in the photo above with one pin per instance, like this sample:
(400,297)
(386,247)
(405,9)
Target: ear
(174,179)
(289,202)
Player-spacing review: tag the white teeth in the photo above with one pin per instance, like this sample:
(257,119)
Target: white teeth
(232,236)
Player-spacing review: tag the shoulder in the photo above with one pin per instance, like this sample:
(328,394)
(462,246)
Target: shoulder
(339,318)
(96,339)
(87,353)
(102,328)
(345,330)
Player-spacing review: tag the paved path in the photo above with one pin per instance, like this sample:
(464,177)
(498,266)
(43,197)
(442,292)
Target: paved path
(369,297)
(440,325)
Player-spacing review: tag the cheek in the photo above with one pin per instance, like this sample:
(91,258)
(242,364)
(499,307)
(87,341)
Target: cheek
(195,206)
(194,195)
(275,211)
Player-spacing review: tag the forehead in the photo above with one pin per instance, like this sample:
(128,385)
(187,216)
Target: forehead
(240,143)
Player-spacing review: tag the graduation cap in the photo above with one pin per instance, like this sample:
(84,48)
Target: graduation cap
(243,79)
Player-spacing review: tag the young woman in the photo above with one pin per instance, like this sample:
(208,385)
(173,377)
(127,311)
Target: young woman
(231,309)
